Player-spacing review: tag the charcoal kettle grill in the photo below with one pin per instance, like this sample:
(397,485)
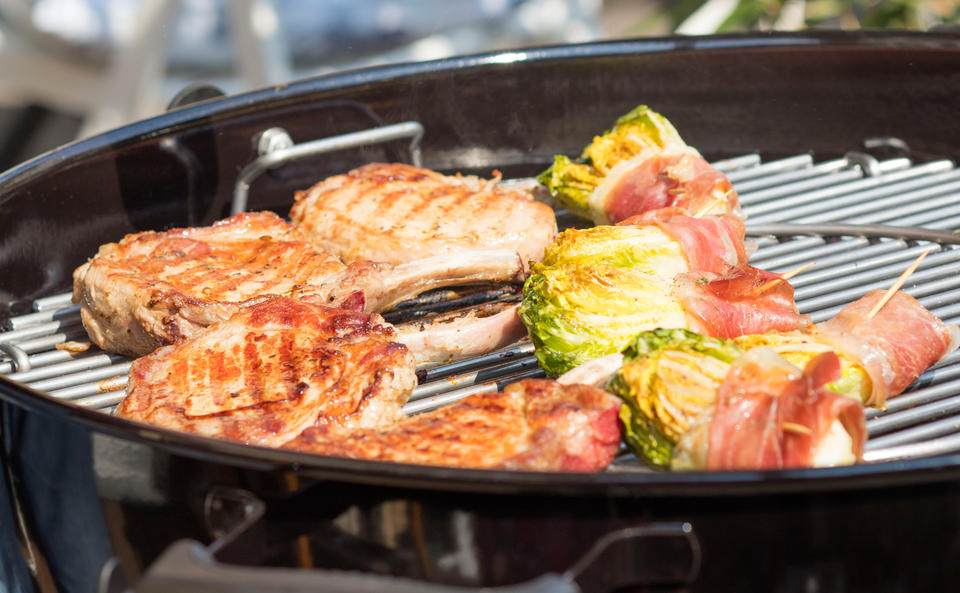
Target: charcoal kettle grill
(843,149)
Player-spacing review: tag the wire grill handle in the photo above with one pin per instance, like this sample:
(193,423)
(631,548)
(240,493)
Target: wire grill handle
(187,567)
(276,149)
(617,560)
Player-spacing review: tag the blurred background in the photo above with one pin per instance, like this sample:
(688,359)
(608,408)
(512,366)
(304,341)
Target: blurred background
(71,68)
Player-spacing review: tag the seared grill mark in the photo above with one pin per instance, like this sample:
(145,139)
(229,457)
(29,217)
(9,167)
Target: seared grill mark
(253,376)
(179,376)
(395,207)
(352,189)
(349,324)
(286,361)
(218,370)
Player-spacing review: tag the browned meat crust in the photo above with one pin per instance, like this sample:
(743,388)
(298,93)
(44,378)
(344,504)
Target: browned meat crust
(272,370)
(152,289)
(396,213)
(535,424)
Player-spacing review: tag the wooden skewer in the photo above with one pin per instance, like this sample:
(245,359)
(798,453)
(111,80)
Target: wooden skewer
(896,285)
(783,278)
(796,428)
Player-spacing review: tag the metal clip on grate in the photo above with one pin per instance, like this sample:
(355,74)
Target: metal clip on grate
(834,212)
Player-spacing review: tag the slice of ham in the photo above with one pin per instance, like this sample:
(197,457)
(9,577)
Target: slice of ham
(737,303)
(721,293)
(895,345)
(771,415)
(656,178)
(710,243)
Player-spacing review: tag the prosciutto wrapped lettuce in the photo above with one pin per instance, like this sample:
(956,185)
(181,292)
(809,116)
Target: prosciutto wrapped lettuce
(640,164)
(668,381)
(693,402)
(770,414)
(881,354)
(599,287)
(575,314)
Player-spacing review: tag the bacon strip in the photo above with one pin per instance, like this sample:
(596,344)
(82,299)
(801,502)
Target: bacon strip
(895,346)
(663,178)
(770,415)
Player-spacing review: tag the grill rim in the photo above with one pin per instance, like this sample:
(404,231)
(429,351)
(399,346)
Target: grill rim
(644,483)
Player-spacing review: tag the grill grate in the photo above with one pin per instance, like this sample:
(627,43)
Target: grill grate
(41,349)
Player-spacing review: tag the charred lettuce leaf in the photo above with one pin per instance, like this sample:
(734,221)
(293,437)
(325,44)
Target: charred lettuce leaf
(596,288)
(668,381)
(799,348)
(572,181)
(642,248)
(578,313)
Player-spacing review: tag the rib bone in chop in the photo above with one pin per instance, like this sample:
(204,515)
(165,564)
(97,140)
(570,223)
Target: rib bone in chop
(272,370)
(535,424)
(462,334)
(391,212)
(156,288)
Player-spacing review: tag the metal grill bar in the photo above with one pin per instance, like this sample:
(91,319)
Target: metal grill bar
(769,169)
(46,315)
(812,172)
(773,255)
(83,380)
(52,302)
(849,262)
(801,199)
(64,369)
(46,346)
(894,207)
(864,273)
(739,164)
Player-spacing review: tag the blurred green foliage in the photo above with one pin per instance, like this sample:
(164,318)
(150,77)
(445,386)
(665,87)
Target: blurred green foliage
(799,14)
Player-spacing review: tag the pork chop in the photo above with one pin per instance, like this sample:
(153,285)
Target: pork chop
(157,288)
(272,370)
(535,424)
(395,213)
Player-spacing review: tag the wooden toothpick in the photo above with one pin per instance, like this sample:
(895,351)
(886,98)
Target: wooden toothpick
(783,278)
(896,285)
(796,428)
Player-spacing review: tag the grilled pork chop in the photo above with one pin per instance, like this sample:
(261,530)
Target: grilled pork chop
(154,288)
(396,213)
(272,370)
(535,424)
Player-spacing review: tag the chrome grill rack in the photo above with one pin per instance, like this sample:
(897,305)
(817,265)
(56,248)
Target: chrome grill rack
(798,210)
